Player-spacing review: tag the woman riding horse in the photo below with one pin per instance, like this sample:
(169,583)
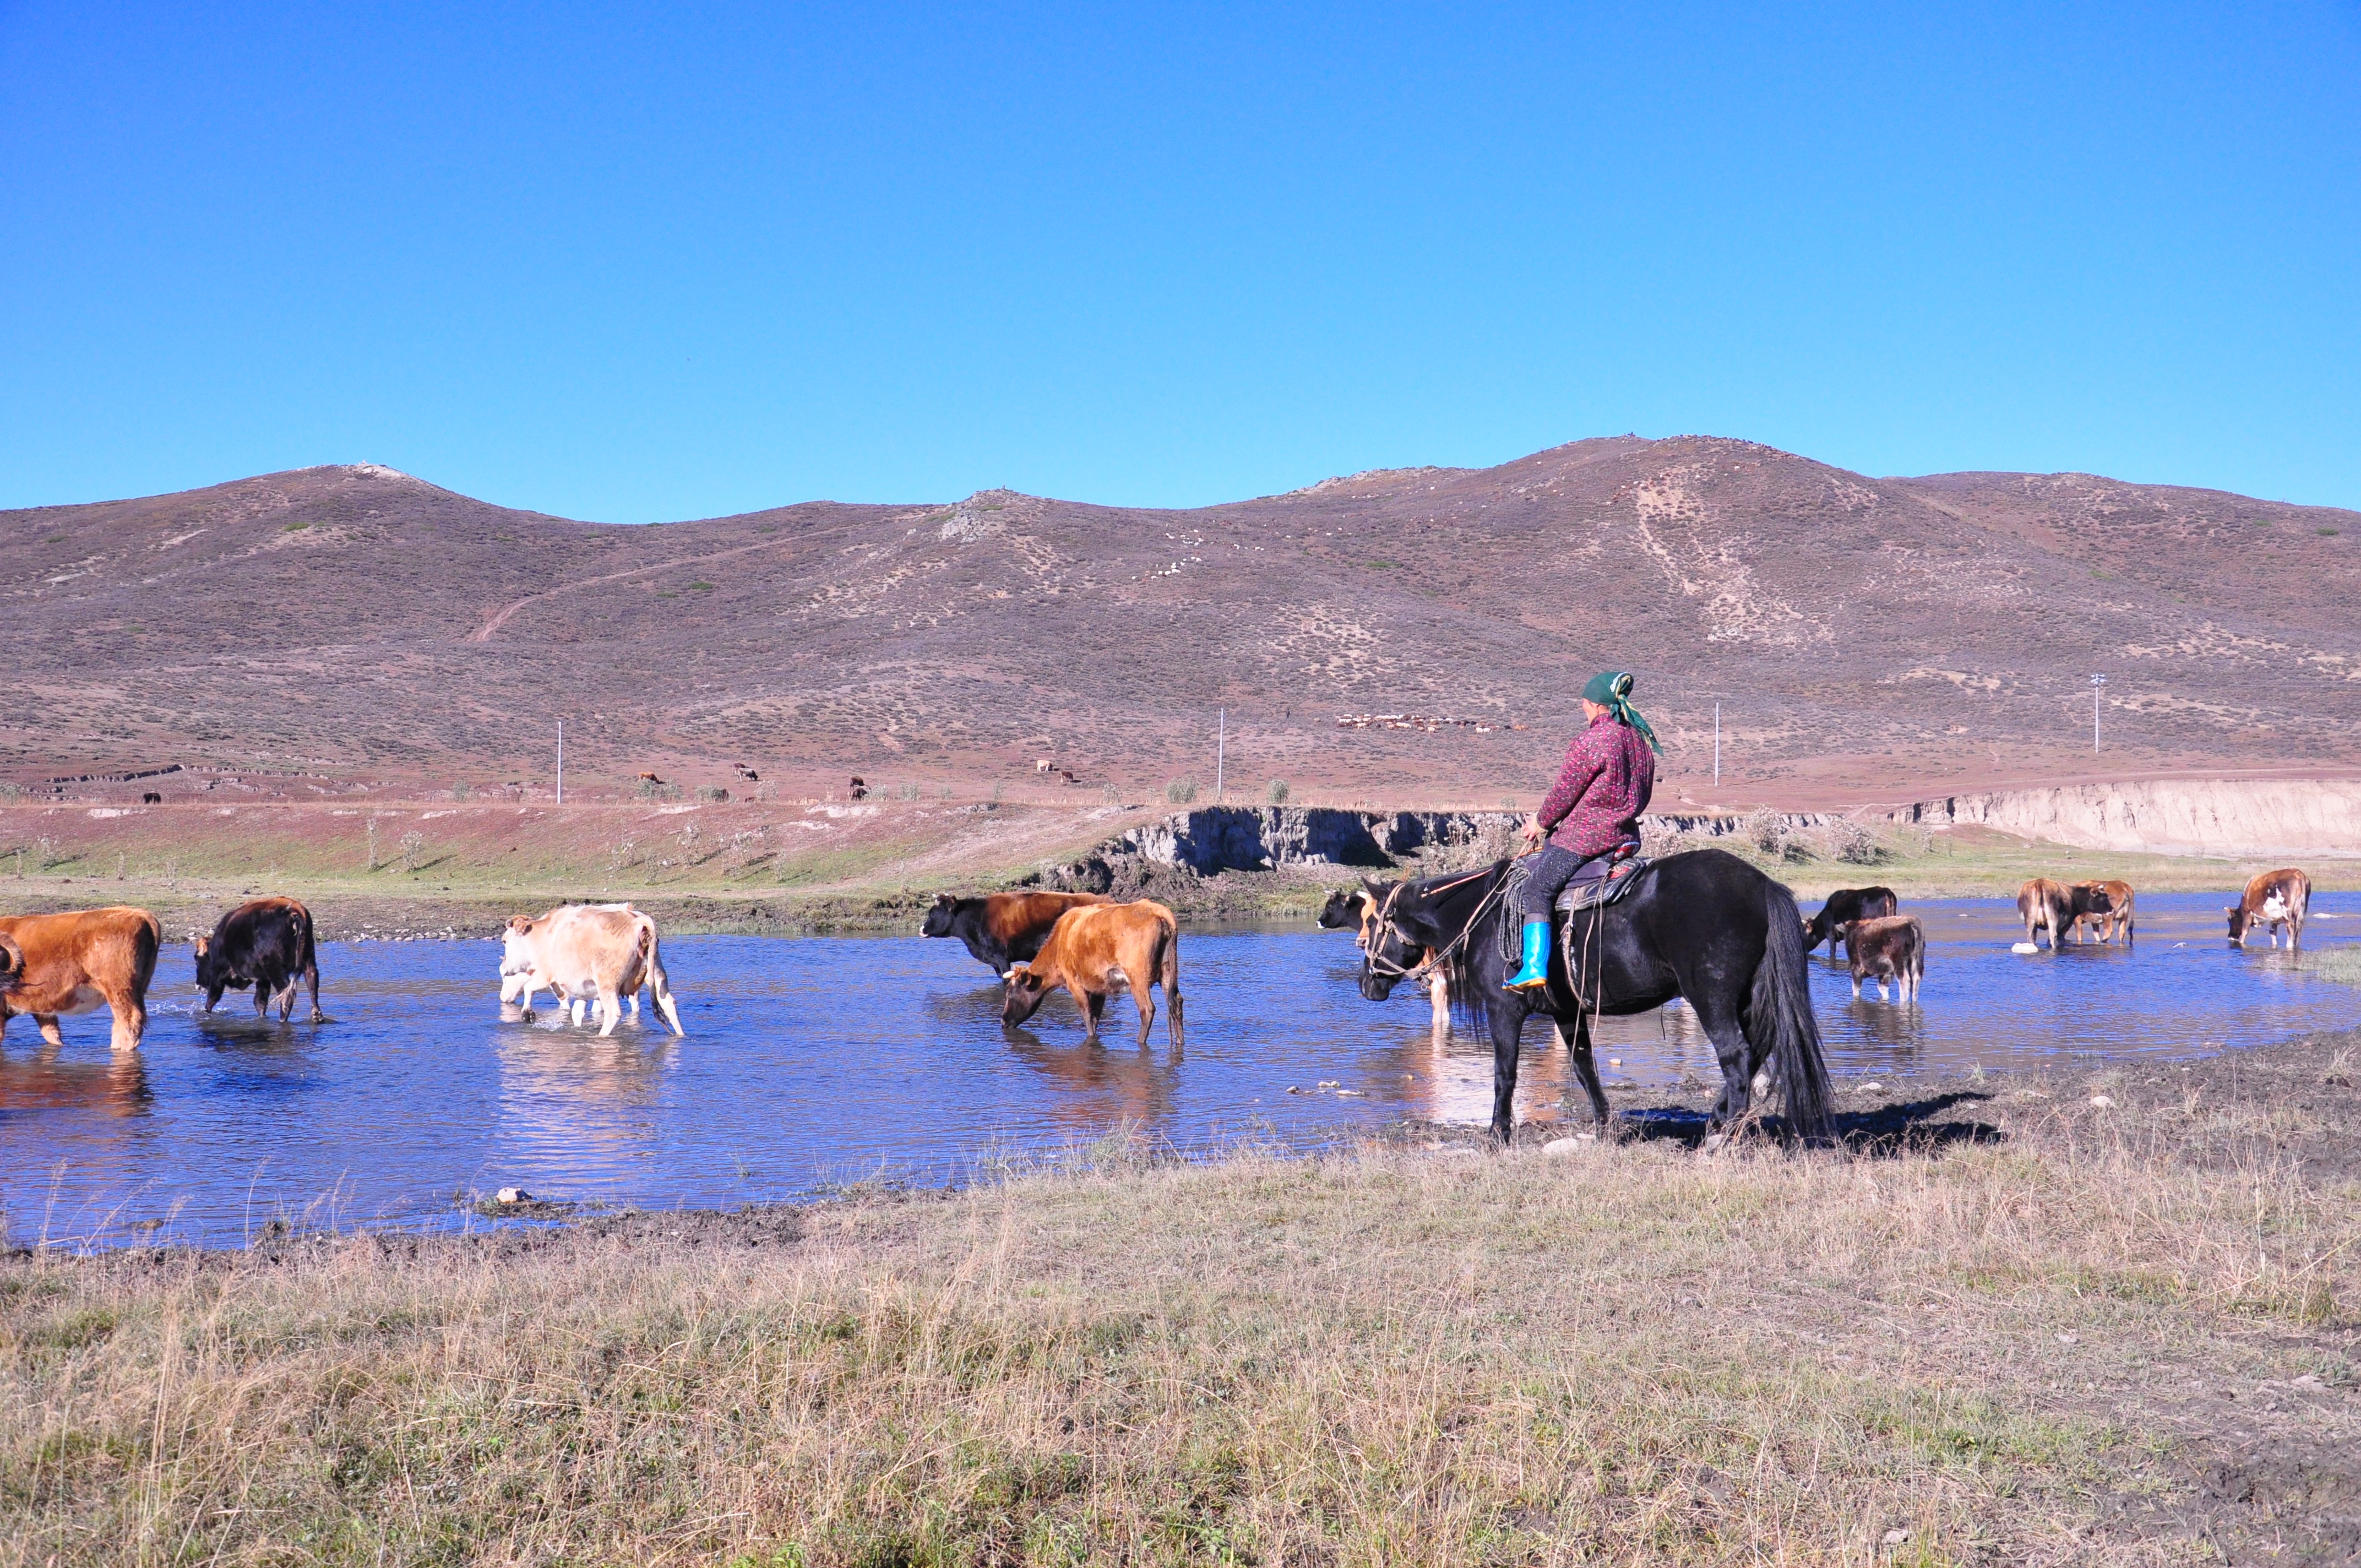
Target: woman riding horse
(1705,926)
(1591,815)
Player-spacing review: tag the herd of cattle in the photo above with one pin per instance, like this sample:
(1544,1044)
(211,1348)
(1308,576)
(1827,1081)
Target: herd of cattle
(599,955)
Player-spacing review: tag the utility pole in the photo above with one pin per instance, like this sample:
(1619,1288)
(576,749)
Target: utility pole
(2098,689)
(1221,751)
(1717,745)
(561,762)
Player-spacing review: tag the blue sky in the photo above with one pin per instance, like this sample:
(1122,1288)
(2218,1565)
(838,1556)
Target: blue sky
(629,263)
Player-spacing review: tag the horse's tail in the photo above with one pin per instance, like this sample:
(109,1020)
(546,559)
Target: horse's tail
(1781,1009)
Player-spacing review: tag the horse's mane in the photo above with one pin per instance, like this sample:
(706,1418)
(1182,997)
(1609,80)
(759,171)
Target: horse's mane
(1437,910)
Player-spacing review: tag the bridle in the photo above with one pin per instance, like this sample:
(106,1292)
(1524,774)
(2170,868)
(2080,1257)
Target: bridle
(1383,919)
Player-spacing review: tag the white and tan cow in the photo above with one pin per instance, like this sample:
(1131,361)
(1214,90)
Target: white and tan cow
(588,953)
(2272,899)
(51,964)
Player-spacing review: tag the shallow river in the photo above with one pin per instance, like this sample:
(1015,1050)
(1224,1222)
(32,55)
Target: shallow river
(814,1062)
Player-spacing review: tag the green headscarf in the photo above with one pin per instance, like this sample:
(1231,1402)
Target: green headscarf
(1611,689)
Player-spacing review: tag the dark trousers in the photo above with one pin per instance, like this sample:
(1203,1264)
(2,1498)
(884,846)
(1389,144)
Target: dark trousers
(1548,872)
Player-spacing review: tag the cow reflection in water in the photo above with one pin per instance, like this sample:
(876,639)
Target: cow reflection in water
(41,1082)
(574,1093)
(1101,1086)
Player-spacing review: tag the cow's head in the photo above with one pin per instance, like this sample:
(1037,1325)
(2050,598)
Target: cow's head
(12,958)
(2237,914)
(1343,910)
(516,946)
(938,918)
(204,960)
(1022,997)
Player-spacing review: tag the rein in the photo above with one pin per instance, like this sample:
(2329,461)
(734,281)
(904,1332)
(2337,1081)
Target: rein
(1434,955)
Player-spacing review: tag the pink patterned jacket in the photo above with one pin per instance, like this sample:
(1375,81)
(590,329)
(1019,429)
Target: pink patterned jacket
(1602,787)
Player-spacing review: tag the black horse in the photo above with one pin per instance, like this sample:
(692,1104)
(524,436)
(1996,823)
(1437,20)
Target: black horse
(1704,925)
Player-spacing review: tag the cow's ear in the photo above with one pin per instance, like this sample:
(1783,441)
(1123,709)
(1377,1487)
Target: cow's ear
(944,901)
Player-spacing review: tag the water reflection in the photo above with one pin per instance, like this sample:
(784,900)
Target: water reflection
(41,1082)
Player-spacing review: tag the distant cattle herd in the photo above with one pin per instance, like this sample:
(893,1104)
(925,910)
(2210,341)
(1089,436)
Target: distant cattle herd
(600,956)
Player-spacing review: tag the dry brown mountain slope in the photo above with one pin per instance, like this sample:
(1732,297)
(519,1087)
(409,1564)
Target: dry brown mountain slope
(1869,637)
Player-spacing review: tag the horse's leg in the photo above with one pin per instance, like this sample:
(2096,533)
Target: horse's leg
(1507,1037)
(1718,1016)
(1585,1067)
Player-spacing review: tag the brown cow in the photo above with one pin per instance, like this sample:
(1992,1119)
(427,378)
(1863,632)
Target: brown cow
(1002,928)
(1893,945)
(2114,915)
(2273,899)
(2042,904)
(1094,948)
(53,964)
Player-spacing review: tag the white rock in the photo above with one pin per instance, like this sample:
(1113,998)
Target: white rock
(1896,1537)
(2023,947)
(2101,1101)
(1563,1145)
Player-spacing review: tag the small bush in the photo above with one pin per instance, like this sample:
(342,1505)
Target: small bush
(1278,794)
(413,844)
(712,793)
(1180,792)
(1851,843)
(461,791)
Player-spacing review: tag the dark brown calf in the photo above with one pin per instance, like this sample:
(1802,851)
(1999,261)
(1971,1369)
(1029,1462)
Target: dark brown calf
(1844,906)
(1093,949)
(1890,945)
(1002,928)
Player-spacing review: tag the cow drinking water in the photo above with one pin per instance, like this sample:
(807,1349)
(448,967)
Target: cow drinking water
(267,944)
(1844,906)
(1094,948)
(2272,899)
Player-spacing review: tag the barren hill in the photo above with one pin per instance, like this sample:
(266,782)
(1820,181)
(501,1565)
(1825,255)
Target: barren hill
(1868,638)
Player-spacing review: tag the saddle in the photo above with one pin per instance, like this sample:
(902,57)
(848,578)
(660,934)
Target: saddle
(1578,897)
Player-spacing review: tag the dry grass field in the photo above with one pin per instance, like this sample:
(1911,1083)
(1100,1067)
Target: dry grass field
(2104,1319)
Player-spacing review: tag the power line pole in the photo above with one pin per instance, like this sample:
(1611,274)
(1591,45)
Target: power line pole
(561,762)
(1221,751)
(2098,690)
(1717,745)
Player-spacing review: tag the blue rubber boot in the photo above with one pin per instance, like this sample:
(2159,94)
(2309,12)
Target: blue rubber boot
(1536,970)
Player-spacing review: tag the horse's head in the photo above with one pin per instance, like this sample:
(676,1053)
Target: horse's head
(1388,952)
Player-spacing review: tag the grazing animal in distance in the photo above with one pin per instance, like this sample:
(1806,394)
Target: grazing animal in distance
(1002,928)
(859,790)
(151,798)
(1888,945)
(2272,899)
(265,943)
(2114,916)
(581,951)
(652,778)
(55,964)
(1041,764)
(1844,906)
(1094,948)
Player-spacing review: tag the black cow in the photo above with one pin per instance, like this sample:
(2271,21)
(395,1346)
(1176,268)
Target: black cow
(265,944)
(1844,906)
(1002,928)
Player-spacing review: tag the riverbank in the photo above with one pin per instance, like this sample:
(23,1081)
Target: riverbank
(393,872)
(2099,1316)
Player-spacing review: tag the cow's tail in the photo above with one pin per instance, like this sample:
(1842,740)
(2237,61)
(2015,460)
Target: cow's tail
(659,982)
(1168,973)
(145,942)
(1780,1010)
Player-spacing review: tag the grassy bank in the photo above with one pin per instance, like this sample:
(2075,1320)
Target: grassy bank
(391,869)
(2053,1330)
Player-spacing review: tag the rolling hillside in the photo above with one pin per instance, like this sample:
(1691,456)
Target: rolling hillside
(339,628)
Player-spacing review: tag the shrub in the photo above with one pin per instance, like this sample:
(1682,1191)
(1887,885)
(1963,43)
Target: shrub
(413,844)
(1279,793)
(1851,842)
(713,793)
(1180,792)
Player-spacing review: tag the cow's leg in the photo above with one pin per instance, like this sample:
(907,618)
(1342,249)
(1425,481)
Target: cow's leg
(130,1021)
(1094,1003)
(1438,998)
(212,997)
(1145,1000)
(1585,1067)
(49,1030)
(262,998)
(311,977)
(610,1012)
(576,1007)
